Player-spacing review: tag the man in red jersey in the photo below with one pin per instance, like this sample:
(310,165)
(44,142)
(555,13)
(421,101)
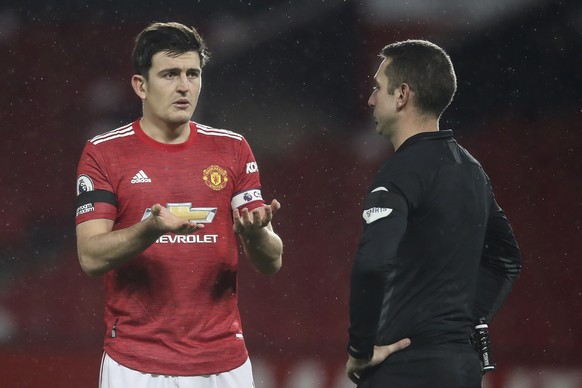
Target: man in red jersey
(157,203)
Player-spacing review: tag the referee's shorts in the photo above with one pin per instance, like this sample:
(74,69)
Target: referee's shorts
(435,366)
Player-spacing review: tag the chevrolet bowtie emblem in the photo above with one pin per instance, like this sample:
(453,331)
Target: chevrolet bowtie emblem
(185,210)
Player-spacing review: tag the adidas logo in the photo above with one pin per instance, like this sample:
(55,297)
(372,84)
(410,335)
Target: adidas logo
(141,177)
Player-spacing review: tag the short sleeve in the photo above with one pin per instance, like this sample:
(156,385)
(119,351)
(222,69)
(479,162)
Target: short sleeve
(247,191)
(95,194)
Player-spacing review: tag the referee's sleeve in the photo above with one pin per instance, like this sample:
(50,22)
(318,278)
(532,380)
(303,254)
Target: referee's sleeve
(385,220)
(499,267)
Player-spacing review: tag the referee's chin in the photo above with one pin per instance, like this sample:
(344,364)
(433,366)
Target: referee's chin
(382,130)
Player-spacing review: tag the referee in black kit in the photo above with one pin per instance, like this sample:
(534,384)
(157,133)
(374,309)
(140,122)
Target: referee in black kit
(437,256)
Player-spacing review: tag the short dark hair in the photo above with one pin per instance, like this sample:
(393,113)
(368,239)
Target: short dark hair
(172,38)
(426,68)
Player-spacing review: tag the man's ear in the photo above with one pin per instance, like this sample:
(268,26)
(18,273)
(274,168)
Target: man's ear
(138,83)
(402,95)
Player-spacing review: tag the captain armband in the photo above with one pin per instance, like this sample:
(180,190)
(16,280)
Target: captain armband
(86,200)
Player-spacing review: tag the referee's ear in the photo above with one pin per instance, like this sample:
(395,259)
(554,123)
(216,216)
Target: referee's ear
(138,83)
(402,95)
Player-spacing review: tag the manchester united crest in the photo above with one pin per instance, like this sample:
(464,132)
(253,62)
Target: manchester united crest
(215,177)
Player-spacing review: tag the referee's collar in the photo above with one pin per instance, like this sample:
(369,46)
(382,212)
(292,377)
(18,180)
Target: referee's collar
(433,135)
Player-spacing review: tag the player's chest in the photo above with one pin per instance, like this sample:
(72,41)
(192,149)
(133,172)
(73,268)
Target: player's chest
(178,178)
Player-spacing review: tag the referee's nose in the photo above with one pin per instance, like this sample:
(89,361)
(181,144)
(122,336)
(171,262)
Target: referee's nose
(372,99)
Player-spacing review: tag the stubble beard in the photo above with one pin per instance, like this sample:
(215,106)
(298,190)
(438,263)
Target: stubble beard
(180,118)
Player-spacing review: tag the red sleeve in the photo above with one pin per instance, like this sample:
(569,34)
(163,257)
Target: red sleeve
(95,194)
(247,191)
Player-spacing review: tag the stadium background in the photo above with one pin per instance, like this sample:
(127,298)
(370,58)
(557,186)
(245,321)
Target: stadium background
(293,77)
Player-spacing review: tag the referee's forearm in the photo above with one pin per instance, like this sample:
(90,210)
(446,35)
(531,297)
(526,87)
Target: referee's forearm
(366,295)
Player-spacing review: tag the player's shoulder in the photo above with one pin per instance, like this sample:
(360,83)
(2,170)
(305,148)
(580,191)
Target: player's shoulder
(217,133)
(113,136)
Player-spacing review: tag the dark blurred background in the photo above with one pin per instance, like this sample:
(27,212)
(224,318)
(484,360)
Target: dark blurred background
(293,77)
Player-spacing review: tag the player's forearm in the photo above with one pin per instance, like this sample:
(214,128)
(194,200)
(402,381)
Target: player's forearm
(103,252)
(264,250)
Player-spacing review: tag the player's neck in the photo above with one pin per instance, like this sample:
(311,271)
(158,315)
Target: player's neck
(164,132)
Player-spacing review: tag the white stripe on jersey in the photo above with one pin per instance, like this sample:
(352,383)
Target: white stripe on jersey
(246,197)
(206,130)
(126,130)
(112,137)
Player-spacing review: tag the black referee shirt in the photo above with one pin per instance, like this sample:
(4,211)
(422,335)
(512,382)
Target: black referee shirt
(436,253)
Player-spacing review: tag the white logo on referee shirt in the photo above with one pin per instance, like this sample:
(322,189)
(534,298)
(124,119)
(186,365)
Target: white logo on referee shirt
(376,213)
(140,177)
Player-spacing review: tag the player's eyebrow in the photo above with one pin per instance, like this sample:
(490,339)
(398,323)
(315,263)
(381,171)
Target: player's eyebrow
(197,70)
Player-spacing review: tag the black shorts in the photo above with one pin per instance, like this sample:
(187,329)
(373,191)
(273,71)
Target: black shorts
(441,366)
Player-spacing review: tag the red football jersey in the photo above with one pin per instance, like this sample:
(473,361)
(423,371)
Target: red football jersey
(172,309)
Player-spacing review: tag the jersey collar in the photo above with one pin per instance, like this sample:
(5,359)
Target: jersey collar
(163,146)
(435,135)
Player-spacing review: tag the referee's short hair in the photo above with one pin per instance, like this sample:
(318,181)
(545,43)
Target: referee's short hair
(426,69)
